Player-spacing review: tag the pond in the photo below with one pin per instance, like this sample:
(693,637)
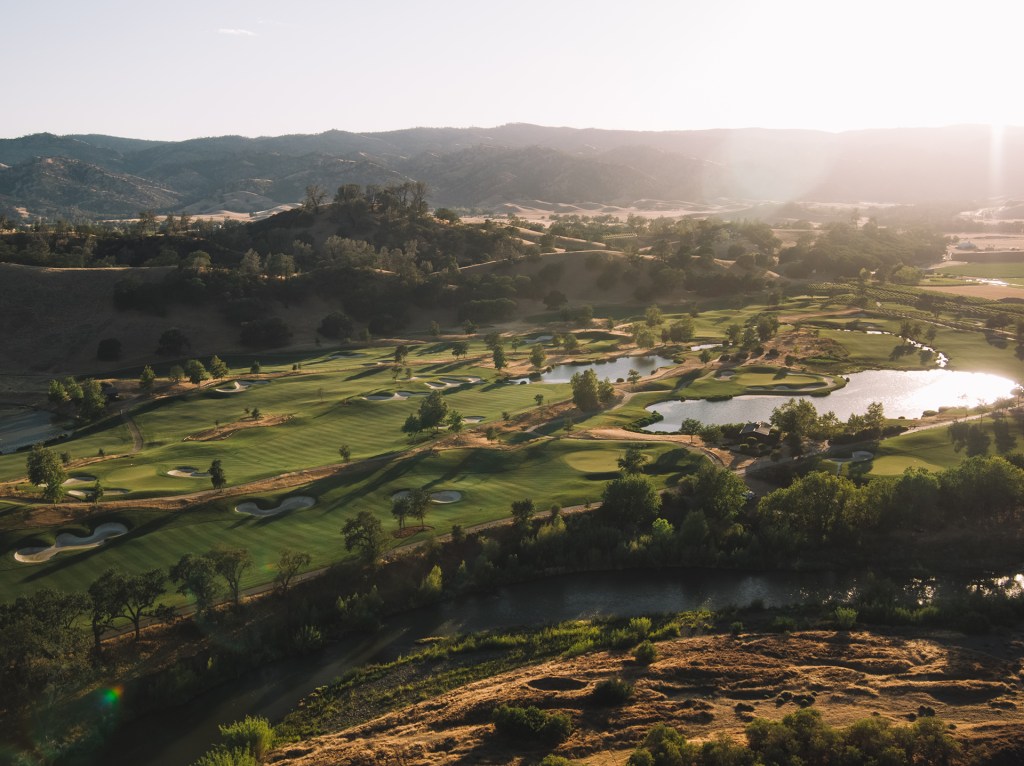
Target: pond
(613,369)
(24,426)
(902,394)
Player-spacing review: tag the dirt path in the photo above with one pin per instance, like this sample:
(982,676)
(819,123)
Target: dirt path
(133,429)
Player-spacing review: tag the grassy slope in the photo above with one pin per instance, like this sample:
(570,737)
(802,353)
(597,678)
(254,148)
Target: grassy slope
(564,471)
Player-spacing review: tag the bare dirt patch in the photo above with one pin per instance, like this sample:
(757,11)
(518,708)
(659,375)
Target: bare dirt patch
(223,432)
(989,292)
(705,686)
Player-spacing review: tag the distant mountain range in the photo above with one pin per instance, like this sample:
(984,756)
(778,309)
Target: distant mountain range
(104,176)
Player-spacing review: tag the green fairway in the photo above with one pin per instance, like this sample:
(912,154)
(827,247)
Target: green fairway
(931,449)
(563,471)
(753,380)
(327,409)
(1009,272)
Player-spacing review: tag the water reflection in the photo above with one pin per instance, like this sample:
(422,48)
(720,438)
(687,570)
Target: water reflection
(612,369)
(902,393)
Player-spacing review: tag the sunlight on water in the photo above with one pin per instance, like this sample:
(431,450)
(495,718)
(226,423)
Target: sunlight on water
(902,394)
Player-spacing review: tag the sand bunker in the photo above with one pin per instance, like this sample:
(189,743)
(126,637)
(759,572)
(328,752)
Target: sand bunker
(188,472)
(473,419)
(452,382)
(66,542)
(238,386)
(540,339)
(444,496)
(88,494)
(81,478)
(397,396)
(296,503)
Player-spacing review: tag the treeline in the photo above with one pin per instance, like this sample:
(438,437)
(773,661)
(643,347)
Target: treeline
(845,250)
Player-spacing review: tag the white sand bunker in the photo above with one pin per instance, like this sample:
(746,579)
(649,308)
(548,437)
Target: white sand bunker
(473,419)
(443,496)
(67,542)
(296,503)
(88,494)
(453,382)
(397,396)
(188,472)
(239,386)
(540,339)
(81,478)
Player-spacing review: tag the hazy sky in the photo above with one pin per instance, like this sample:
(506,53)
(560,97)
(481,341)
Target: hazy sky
(254,67)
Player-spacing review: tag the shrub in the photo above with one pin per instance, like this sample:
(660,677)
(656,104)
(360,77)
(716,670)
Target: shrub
(108,350)
(645,653)
(252,734)
(222,757)
(308,638)
(783,625)
(532,724)
(846,617)
(555,760)
(612,691)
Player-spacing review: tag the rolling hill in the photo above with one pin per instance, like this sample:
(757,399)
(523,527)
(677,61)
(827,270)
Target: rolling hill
(105,176)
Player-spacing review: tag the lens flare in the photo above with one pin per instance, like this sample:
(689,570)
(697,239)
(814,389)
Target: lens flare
(110,696)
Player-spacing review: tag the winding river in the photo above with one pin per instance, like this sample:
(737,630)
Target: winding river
(273,690)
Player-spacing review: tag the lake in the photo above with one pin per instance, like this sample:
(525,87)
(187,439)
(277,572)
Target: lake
(902,394)
(612,369)
(23,426)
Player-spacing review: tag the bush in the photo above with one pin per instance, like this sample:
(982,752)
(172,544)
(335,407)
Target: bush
(783,625)
(253,735)
(532,724)
(222,757)
(846,617)
(265,333)
(612,691)
(645,653)
(108,350)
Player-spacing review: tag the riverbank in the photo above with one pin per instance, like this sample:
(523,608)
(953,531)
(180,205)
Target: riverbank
(705,685)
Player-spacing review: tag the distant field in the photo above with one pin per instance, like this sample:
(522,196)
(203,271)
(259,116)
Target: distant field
(986,270)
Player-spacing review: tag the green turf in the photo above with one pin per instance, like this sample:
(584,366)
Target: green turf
(748,380)
(930,449)
(327,409)
(564,471)
(1004,271)
(877,351)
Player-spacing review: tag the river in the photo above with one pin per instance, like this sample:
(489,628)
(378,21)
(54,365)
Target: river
(178,736)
